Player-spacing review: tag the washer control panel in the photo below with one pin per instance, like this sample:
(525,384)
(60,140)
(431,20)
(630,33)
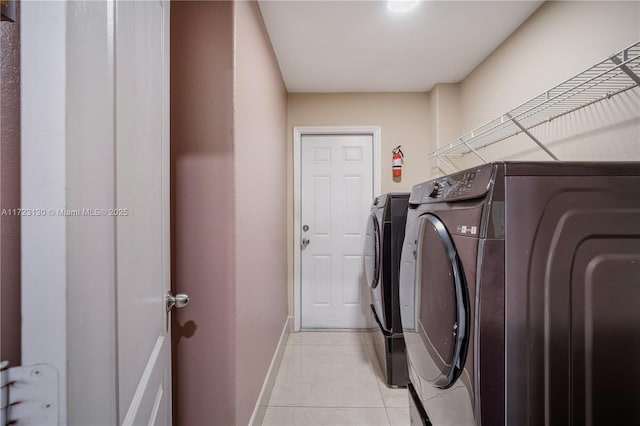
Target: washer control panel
(467,184)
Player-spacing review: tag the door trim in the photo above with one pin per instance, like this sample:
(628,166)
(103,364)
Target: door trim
(44,241)
(298,132)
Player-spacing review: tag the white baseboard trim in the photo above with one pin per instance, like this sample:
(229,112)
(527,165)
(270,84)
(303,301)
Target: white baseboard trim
(265,393)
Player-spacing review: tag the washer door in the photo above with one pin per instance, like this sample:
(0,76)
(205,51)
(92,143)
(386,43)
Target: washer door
(441,306)
(372,252)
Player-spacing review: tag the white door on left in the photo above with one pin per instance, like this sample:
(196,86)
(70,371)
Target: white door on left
(142,236)
(95,137)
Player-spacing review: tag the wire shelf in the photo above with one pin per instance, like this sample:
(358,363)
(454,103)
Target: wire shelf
(612,76)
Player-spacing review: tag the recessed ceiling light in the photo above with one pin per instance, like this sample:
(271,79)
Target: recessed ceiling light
(401,6)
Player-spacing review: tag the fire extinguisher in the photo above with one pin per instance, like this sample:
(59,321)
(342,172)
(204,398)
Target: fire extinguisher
(397,161)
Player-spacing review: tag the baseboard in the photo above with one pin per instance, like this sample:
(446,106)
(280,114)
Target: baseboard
(265,393)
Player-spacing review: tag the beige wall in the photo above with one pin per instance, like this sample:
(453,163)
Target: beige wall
(260,201)
(558,41)
(561,39)
(403,117)
(228,121)
(444,111)
(202,179)
(10,191)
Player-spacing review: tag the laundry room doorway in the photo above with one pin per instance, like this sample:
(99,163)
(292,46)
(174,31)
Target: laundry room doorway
(336,175)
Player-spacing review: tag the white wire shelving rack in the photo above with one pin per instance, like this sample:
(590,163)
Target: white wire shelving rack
(612,76)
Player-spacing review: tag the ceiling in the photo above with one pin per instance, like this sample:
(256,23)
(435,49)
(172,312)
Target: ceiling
(361,46)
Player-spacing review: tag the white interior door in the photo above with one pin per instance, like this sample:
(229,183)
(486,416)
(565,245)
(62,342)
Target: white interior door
(142,178)
(336,194)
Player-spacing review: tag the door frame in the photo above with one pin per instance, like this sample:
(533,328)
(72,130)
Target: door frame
(44,241)
(298,132)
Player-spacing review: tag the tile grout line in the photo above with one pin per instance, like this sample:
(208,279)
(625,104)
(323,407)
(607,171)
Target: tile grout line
(367,350)
(386,411)
(325,344)
(326,406)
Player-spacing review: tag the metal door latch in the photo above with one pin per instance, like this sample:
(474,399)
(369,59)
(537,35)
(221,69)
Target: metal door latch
(178,301)
(29,395)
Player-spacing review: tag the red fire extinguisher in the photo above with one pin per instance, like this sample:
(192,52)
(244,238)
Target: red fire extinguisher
(397,161)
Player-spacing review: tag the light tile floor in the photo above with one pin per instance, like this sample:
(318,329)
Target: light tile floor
(328,378)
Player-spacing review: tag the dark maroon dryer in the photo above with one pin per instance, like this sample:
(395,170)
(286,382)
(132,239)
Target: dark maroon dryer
(520,295)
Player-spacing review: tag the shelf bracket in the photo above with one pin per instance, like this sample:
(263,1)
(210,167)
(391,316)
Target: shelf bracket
(633,76)
(447,163)
(533,138)
(475,152)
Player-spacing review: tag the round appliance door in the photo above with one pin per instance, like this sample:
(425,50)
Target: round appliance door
(372,252)
(438,343)
(408,273)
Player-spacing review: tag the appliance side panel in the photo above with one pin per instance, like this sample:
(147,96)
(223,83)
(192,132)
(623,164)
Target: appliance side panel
(560,236)
(490,333)
(606,329)
(525,198)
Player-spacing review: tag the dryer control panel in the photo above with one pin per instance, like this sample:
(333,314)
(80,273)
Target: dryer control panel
(471,183)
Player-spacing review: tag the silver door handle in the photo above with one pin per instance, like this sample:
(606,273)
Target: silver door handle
(305,242)
(178,301)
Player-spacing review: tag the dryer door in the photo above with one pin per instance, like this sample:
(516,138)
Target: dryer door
(438,343)
(372,252)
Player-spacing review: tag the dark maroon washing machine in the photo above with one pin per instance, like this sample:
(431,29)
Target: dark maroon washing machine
(520,295)
(383,246)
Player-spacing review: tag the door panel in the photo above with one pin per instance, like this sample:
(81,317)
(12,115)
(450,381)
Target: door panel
(351,272)
(142,212)
(337,188)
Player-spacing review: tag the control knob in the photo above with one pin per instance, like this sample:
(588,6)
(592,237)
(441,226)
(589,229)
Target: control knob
(435,190)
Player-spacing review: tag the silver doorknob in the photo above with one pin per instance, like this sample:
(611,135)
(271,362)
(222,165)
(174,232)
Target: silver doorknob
(305,242)
(178,301)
